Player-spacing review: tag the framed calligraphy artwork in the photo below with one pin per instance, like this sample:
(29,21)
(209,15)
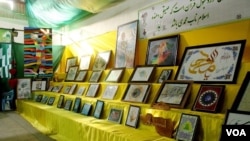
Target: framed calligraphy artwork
(242,100)
(237,118)
(212,63)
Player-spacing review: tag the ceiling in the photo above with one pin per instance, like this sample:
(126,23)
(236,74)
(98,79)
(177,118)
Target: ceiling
(53,13)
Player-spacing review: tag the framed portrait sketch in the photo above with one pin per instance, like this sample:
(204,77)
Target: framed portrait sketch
(115,75)
(81,74)
(184,133)
(38,85)
(84,62)
(137,92)
(98,109)
(110,91)
(60,101)
(101,60)
(67,105)
(133,116)
(86,109)
(142,74)
(162,51)
(212,63)
(71,74)
(237,118)
(23,88)
(95,76)
(77,104)
(126,45)
(51,100)
(80,91)
(174,93)
(72,61)
(209,98)
(165,75)
(92,90)
(115,115)
(242,100)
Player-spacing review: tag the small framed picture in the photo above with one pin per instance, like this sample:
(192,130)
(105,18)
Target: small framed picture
(80,91)
(115,115)
(184,133)
(137,92)
(86,109)
(101,60)
(133,116)
(77,104)
(68,104)
(81,75)
(44,99)
(50,88)
(71,74)
(98,109)
(165,75)
(142,74)
(174,93)
(84,62)
(72,89)
(95,76)
(114,75)
(66,89)
(57,88)
(209,98)
(51,100)
(39,98)
(110,91)
(38,85)
(237,118)
(92,91)
(162,51)
(23,88)
(60,101)
(72,61)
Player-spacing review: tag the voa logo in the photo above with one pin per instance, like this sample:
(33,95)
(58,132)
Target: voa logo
(236,132)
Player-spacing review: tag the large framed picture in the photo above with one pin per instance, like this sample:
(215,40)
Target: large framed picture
(110,91)
(95,76)
(81,74)
(162,51)
(133,116)
(38,85)
(209,98)
(101,60)
(115,115)
(72,61)
(71,74)
(98,109)
(137,92)
(237,118)
(77,104)
(126,45)
(187,127)
(23,88)
(92,90)
(242,100)
(174,93)
(165,75)
(84,62)
(115,75)
(142,74)
(86,109)
(211,63)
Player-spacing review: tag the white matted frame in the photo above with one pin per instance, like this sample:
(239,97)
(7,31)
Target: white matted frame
(81,75)
(39,85)
(110,91)
(85,62)
(101,60)
(137,92)
(72,61)
(92,90)
(23,88)
(133,116)
(95,76)
(142,74)
(115,75)
(237,118)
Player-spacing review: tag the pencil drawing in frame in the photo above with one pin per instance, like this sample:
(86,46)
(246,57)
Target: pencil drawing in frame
(212,63)
(137,92)
(85,62)
(71,61)
(126,45)
(110,91)
(115,75)
(165,75)
(237,118)
(162,51)
(23,88)
(174,93)
(101,60)
(142,73)
(71,74)
(95,76)
(133,116)
(81,75)
(38,85)
(92,90)
(242,100)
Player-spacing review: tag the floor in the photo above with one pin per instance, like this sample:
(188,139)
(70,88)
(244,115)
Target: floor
(14,127)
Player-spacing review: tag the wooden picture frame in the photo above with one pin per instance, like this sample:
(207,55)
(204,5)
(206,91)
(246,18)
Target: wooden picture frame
(72,61)
(66,89)
(165,75)
(80,91)
(84,62)
(115,115)
(142,74)
(237,118)
(57,88)
(86,109)
(60,101)
(95,76)
(174,93)
(68,104)
(77,104)
(38,85)
(133,116)
(101,60)
(115,75)
(137,92)
(44,99)
(72,89)
(242,100)
(190,121)
(209,98)
(110,91)
(71,74)
(98,109)
(126,45)
(23,88)
(81,75)
(211,63)
(51,100)
(92,90)
(162,51)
